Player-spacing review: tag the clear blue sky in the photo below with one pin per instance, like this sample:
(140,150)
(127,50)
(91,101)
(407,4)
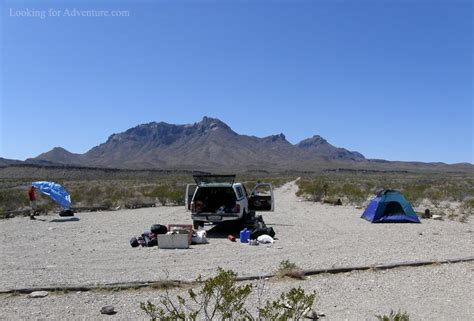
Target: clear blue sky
(390,79)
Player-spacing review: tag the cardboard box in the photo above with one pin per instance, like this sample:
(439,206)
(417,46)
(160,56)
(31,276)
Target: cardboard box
(173,241)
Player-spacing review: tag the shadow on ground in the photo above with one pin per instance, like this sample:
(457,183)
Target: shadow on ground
(222,231)
(64,220)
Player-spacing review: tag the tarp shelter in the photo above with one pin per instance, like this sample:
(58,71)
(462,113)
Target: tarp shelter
(56,192)
(390,206)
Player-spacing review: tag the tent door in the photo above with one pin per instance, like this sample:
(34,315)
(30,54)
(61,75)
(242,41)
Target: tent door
(393,208)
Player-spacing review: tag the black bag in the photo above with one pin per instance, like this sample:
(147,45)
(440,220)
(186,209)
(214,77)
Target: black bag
(66,213)
(256,232)
(159,229)
(134,242)
(150,241)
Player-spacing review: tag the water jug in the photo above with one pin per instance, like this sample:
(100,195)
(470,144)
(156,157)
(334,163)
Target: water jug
(244,236)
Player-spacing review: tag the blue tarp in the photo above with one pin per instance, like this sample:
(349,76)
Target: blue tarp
(390,207)
(56,192)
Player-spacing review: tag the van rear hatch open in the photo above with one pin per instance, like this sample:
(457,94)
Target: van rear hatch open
(214,180)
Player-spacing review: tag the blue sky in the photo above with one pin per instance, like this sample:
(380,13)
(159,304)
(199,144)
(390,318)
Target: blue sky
(390,79)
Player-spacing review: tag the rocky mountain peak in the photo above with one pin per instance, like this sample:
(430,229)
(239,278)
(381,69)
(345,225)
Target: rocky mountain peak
(314,141)
(209,123)
(59,150)
(276,138)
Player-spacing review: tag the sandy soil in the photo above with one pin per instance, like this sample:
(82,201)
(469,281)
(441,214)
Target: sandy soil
(94,249)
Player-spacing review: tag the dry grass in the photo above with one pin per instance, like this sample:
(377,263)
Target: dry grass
(131,192)
(420,189)
(290,270)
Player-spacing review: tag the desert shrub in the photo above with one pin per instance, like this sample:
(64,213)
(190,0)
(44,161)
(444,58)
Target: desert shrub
(46,206)
(168,194)
(289,269)
(290,306)
(108,203)
(176,197)
(250,182)
(331,189)
(435,187)
(414,193)
(220,298)
(312,189)
(468,204)
(13,199)
(394,316)
(354,193)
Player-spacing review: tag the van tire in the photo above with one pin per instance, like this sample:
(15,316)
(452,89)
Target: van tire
(197,225)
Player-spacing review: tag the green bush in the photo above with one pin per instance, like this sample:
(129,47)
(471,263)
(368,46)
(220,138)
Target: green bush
(398,316)
(220,298)
(290,306)
(468,204)
(358,187)
(13,199)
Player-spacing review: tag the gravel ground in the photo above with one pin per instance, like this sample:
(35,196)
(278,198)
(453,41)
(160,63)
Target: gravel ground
(93,248)
(437,292)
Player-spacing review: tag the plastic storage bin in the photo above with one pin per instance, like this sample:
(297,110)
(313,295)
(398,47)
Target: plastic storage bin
(173,241)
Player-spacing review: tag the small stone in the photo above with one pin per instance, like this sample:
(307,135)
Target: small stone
(437,217)
(108,309)
(312,315)
(38,294)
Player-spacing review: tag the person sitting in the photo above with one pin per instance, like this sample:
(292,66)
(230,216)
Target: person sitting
(32,197)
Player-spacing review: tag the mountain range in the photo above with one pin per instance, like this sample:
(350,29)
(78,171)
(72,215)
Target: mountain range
(212,145)
(207,144)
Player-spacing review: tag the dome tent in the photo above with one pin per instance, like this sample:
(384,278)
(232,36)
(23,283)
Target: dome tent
(389,206)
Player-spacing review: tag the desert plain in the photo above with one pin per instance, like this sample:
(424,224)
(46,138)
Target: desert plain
(93,249)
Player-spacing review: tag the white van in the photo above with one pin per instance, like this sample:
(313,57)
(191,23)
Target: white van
(217,198)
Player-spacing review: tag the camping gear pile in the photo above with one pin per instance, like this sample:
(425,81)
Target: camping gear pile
(175,236)
(149,238)
(260,228)
(259,234)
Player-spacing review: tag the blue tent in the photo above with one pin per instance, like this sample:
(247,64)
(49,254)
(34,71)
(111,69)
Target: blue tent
(390,206)
(56,192)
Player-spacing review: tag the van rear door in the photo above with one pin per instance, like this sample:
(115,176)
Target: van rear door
(188,197)
(214,179)
(261,198)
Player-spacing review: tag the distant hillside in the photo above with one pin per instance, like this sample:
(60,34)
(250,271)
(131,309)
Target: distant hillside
(59,155)
(7,162)
(211,145)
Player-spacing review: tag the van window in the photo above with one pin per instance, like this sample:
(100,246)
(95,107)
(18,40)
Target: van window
(239,192)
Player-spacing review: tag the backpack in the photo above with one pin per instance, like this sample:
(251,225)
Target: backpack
(66,213)
(159,229)
(134,242)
